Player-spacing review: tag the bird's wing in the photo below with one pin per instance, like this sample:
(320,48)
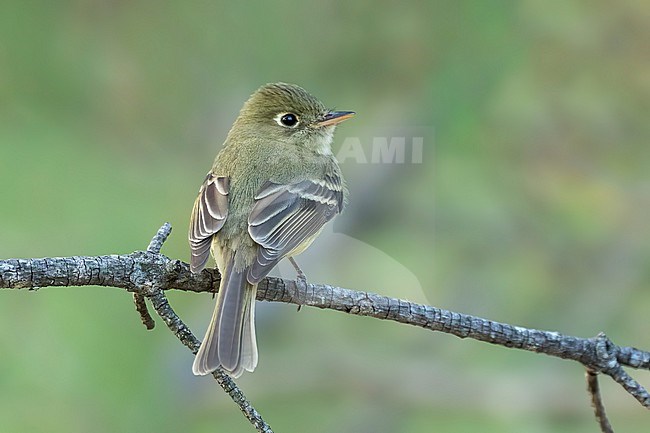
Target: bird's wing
(285,216)
(208,216)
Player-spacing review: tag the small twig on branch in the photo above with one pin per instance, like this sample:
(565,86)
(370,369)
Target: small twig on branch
(141,308)
(143,271)
(159,238)
(183,333)
(138,299)
(607,360)
(597,402)
(128,272)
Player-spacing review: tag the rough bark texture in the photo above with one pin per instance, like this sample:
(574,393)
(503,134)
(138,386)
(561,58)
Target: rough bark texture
(597,403)
(139,273)
(139,270)
(149,273)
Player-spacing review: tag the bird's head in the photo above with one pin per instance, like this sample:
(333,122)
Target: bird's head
(288,113)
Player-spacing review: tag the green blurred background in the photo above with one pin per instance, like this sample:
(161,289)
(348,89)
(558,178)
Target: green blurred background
(530,207)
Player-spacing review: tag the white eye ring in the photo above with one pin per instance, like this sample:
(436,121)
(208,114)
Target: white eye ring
(287,120)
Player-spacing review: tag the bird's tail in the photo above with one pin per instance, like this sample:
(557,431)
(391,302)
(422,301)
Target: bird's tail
(230,341)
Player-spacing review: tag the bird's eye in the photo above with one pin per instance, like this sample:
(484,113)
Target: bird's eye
(287,119)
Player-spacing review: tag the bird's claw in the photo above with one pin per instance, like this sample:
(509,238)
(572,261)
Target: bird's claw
(300,289)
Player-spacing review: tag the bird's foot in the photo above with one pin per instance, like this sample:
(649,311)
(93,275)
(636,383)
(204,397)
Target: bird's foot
(300,285)
(300,290)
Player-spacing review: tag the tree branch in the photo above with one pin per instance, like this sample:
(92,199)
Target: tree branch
(138,299)
(135,273)
(143,271)
(597,402)
(183,333)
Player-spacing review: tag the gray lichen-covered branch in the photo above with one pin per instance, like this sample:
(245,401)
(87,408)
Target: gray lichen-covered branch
(141,271)
(134,273)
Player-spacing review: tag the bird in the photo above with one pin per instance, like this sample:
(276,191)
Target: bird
(272,187)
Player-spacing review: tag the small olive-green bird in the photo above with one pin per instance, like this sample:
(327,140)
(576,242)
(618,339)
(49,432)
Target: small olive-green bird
(273,186)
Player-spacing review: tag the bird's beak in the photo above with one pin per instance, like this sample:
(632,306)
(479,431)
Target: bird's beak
(333,118)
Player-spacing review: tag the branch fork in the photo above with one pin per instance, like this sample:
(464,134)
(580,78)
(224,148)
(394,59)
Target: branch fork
(147,274)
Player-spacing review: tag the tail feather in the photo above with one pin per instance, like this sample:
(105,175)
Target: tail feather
(230,341)
(249,341)
(231,318)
